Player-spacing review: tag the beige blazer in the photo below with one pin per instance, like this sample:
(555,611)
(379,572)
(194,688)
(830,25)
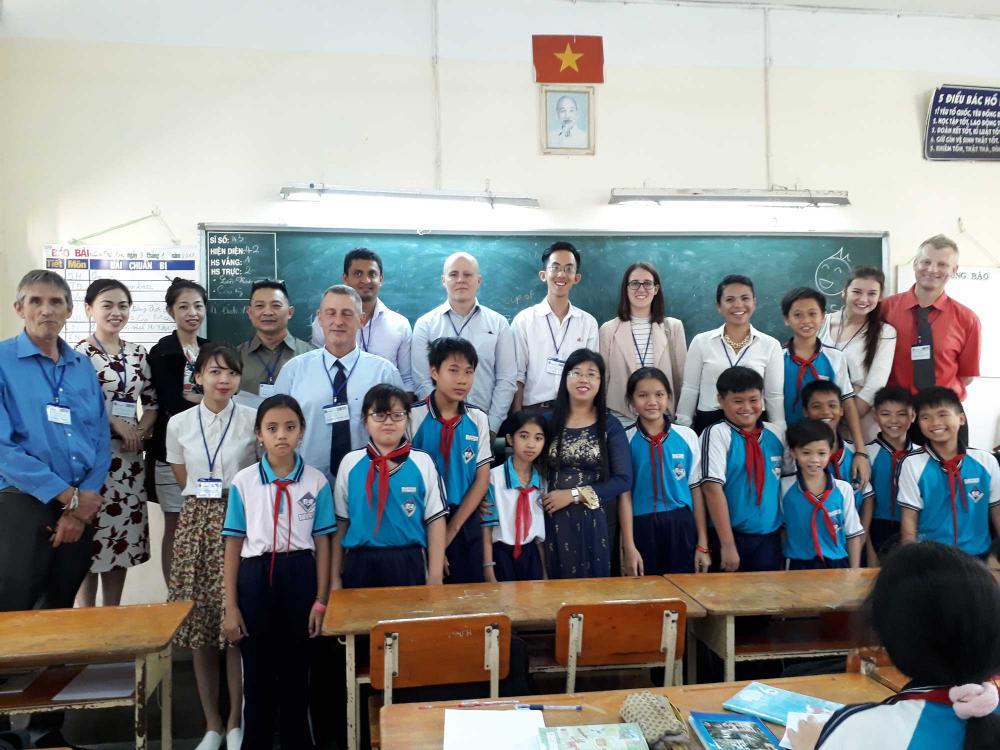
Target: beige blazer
(669,350)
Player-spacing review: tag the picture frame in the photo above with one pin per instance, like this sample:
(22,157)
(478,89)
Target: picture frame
(567,121)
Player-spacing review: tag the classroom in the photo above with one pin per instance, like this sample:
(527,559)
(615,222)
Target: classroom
(785,142)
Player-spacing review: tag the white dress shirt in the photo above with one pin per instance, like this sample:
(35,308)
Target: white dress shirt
(386,334)
(539,335)
(489,332)
(866,382)
(709,355)
(187,439)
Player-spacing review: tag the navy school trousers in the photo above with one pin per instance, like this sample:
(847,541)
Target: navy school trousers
(666,541)
(465,553)
(374,567)
(817,564)
(757,551)
(526,567)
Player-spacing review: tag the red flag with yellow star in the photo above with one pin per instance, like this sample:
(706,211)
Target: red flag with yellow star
(568,59)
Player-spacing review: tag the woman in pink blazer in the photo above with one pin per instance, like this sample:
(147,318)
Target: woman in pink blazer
(641,336)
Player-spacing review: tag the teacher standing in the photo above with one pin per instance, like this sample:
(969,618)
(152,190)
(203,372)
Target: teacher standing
(640,336)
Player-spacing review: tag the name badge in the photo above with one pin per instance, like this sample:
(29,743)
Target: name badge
(123,408)
(266,390)
(920,352)
(336,413)
(210,488)
(58,414)
(554,366)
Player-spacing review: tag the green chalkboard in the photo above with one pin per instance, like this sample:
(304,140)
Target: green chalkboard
(690,266)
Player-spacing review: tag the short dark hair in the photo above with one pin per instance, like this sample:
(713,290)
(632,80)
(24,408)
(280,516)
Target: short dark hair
(100,286)
(275,284)
(809,431)
(892,394)
(561,245)
(937,395)
(733,278)
(655,307)
(440,349)
(278,401)
(380,398)
(225,354)
(362,253)
(739,380)
(816,387)
(801,293)
(641,374)
(179,285)
(519,419)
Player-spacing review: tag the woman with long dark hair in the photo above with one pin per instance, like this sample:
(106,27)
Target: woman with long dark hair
(588,467)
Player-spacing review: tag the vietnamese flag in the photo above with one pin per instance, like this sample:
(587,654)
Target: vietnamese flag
(568,59)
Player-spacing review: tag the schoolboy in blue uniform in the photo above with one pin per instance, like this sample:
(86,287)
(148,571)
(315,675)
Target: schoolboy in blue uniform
(742,460)
(390,504)
(892,409)
(457,436)
(822,528)
(807,360)
(948,493)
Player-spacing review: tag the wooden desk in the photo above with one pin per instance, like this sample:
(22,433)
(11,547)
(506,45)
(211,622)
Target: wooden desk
(407,726)
(97,635)
(529,604)
(727,596)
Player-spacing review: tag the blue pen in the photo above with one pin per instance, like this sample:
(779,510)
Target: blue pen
(547,707)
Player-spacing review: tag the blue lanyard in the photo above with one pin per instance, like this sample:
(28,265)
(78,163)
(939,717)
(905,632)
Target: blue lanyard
(123,375)
(271,369)
(642,357)
(333,388)
(55,385)
(743,353)
(213,456)
(458,331)
(367,342)
(553,336)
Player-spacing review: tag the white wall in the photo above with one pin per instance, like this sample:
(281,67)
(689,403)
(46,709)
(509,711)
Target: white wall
(111,107)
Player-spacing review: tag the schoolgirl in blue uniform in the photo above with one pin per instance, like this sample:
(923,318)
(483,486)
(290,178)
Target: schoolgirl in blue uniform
(513,520)
(277,574)
(892,409)
(948,493)
(390,504)
(742,459)
(822,528)
(662,519)
(932,608)
(457,436)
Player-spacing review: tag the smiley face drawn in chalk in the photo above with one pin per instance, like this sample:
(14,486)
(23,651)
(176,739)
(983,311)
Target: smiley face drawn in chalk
(832,273)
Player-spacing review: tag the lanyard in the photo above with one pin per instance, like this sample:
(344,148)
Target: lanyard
(213,456)
(458,331)
(123,375)
(552,334)
(743,353)
(55,385)
(840,331)
(333,388)
(642,357)
(269,370)
(367,342)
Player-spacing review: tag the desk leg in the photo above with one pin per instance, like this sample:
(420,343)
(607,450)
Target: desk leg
(166,704)
(140,702)
(719,634)
(353,717)
(692,655)
(730,656)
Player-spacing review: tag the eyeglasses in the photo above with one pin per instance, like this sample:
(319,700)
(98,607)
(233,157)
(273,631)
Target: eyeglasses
(581,375)
(392,416)
(648,285)
(555,268)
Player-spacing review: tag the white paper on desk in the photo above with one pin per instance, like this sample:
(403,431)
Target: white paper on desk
(500,729)
(100,681)
(793,723)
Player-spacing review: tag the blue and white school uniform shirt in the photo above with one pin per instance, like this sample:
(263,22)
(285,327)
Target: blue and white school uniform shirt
(665,468)
(885,461)
(458,450)
(258,496)
(839,467)
(827,363)
(751,479)
(818,527)
(953,497)
(414,498)
(501,507)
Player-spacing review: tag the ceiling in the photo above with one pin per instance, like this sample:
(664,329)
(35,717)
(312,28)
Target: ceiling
(967,8)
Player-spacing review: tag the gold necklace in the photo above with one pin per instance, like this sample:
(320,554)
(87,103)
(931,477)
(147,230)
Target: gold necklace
(736,345)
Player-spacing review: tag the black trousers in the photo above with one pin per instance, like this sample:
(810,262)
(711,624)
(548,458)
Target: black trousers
(276,654)
(33,573)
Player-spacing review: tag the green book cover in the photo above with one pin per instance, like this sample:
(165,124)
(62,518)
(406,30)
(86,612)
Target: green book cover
(593,737)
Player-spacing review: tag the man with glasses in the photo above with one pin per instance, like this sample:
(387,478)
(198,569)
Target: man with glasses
(547,333)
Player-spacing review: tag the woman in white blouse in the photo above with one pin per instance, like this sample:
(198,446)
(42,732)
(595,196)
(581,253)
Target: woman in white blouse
(640,336)
(859,331)
(736,342)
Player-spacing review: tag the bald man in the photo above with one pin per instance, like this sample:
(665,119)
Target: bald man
(487,330)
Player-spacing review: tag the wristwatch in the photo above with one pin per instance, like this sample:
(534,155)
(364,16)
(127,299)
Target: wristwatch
(575,492)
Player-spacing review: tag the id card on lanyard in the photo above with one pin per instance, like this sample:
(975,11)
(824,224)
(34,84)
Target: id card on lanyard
(270,371)
(922,350)
(554,364)
(54,411)
(338,411)
(210,487)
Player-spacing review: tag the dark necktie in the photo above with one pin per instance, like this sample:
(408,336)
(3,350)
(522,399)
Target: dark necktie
(340,441)
(923,369)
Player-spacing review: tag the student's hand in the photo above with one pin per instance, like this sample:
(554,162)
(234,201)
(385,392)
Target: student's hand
(807,734)
(450,532)
(556,500)
(703,561)
(90,504)
(489,574)
(129,435)
(633,562)
(861,471)
(233,627)
(730,562)
(315,622)
(68,529)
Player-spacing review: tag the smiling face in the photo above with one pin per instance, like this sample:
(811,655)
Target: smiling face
(583,383)
(940,425)
(340,320)
(737,304)
(110,312)
(44,310)
(743,408)
(560,273)
(894,420)
(825,407)
(641,290)
(861,296)
(280,432)
(933,267)
(812,458)
(188,311)
(365,278)
(832,272)
(650,400)
(218,380)
(453,379)
(805,318)
(269,311)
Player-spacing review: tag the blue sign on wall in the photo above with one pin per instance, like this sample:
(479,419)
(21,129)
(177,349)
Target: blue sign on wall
(963,122)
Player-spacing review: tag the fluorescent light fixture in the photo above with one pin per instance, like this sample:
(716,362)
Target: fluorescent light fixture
(732,195)
(313,191)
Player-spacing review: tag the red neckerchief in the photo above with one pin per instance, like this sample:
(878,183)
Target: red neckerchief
(447,434)
(933,695)
(657,463)
(522,518)
(819,505)
(755,459)
(805,365)
(953,469)
(897,456)
(282,485)
(835,458)
(380,463)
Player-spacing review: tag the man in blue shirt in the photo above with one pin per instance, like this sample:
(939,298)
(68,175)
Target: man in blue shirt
(55,451)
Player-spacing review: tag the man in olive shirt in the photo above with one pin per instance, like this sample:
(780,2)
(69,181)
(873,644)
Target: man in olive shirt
(272,345)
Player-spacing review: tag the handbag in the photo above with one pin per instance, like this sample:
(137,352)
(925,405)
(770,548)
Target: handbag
(661,723)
